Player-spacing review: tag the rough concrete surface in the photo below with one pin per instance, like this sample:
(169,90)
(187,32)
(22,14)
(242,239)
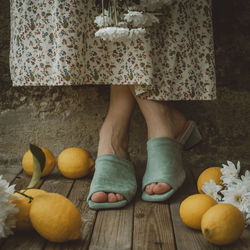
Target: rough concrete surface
(61,117)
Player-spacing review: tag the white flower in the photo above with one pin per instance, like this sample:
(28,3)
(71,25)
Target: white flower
(7,211)
(247,214)
(246,176)
(210,188)
(138,19)
(237,189)
(104,20)
(113,33)
(246,180)
(246,198)
(229,172)
(235,196)
(248,220)
(139,32)
(247,195)
(122,24)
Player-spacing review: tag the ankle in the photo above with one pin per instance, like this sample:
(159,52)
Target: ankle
(113,141)
(109,149)
(160,131)
(169,125)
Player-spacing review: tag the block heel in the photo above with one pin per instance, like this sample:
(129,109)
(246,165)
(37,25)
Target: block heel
(192,136)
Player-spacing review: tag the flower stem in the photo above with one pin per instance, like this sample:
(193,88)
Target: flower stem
(109,7)
(103,12)
(115,13)
(126,4)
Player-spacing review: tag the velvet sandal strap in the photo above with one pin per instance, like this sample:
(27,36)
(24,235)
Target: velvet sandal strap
(164,164)
(113,174)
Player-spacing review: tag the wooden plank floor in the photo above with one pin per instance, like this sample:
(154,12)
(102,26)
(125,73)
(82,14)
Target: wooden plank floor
(139,226)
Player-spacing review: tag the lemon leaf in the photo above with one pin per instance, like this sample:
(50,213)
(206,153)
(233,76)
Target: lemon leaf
(39,164)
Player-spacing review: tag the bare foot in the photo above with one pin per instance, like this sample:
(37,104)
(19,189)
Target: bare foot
(111,142)
(104,197)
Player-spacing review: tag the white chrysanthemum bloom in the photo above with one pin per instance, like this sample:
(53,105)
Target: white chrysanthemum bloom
(135,33)
(244,181)
(235,196)
(230,172)
(210,188)
(122,24)
(246,211)
(7,210)
(139,19)
(114,34)
(248,215)
(246,198)
(247,220)
(246,176)
(104,20)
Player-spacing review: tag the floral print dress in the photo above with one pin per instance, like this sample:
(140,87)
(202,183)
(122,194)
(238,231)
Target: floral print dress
(53,43)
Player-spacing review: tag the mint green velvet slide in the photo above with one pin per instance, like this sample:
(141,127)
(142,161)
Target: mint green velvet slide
(164,162)
(112,174)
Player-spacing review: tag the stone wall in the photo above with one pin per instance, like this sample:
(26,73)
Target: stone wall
(61,117)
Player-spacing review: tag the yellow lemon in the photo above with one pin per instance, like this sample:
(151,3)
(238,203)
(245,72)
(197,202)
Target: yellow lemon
(193,208)
(213,173)
(75,162)
(55,217)
(23,203)
(222,224)
(28,165)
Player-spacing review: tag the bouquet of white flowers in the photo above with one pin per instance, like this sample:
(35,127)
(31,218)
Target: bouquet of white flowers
(7,211)
(123,19)
(235,189)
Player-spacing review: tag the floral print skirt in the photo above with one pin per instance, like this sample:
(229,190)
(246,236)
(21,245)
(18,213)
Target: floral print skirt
(53,43)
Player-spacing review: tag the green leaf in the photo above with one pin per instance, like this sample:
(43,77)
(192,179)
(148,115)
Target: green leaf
(39,164)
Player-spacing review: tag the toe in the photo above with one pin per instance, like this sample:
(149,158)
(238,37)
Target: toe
(119,197)
(99,197)
(149,188)
(161,188)
(112,197)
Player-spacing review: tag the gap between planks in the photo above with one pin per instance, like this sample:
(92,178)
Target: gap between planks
(141,225)
(76,191)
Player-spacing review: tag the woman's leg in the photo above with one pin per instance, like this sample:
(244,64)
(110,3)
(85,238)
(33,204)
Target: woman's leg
(114,133)
(162,121)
